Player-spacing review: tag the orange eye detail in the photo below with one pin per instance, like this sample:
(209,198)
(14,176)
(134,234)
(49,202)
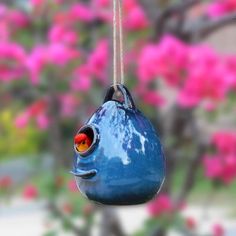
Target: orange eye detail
(82,142)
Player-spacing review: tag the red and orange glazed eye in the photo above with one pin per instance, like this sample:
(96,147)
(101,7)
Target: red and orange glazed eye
(82,142)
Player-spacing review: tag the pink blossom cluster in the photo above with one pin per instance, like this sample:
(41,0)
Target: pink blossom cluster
(5,182)
(218,230)
(61,48)
(134,15)
(36,111)
(16,62)
(68,104)
(60,33)
(103,11)
(221,7)
(222,165)
(37,3)
(190,223)
(96,66)
(12,61)
(42,56)
(160,206)
(10,21)
(72,187)
(197,72)
(30,192)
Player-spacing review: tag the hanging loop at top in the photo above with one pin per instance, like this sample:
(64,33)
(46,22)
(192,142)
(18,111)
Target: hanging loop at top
(118,61)
(128,100)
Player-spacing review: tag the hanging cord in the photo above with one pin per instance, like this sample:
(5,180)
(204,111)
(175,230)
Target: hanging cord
(118,53)
(121,44)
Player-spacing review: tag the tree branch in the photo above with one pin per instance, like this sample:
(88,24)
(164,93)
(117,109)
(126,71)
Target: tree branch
(191,173)
(151,7)
(205,29)
(175,124)
(55,134)
(179,8)
(110,223)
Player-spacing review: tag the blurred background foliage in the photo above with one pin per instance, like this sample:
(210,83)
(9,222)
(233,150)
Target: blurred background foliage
(17,141)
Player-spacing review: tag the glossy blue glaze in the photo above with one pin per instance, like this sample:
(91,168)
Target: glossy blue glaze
(126,164)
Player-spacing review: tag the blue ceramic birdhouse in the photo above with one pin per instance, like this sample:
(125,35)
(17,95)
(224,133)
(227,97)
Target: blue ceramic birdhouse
(119,159)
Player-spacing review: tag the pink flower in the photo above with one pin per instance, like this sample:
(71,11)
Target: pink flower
(225,142)
(231,62)
(148,63)
(166,60)
(136,19)
(221,7)
(160,206)
(3,10)
(30,192)
(52,54)
(150,97)
(190,223)
(129,5)
(10,21)
(37,3)
(228,174)
(202,55)
(209,106)
(37,108)
(5,182)
(12,59)
(206,83)
(198,87)
(231,65)
(188,100)
(60,54)
(98,61)
(82,79)
(22,120)
(35,63)
(36,111)
(60,34)
(198,73)
(67,208)
(69,105)
(101,3)
(88,209)
(42,121)
(102,10)
(81,12)
(153,98)
(216,9)
(213,166)
(62,18)
(218,230)
(4,31)
(221,167)
(72,186)
(174,56)
(18,18)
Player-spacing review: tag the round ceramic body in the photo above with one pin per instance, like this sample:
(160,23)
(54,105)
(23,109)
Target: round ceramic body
(125,165)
